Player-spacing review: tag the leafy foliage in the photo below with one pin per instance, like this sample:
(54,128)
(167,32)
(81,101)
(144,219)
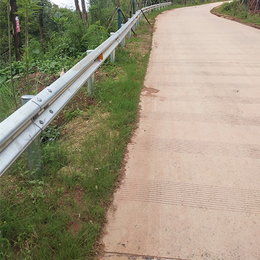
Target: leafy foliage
(3,34)
(95,35)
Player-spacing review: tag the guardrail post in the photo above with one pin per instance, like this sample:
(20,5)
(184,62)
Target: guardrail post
(34,150)
(123,41)
(91,80)
(137,21)
(133,28)
(129,33)
(113,53)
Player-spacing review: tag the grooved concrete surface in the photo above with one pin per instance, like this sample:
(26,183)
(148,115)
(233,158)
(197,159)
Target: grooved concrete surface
(192,180)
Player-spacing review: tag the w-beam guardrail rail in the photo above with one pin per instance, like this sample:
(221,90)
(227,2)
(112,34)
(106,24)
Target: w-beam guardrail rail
(25,124)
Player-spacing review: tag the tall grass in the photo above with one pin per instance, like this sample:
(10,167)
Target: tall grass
(7,100)
(240,11)
(61,216)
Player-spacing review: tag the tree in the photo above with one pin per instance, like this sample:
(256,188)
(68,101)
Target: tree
(16,34)
(85,17)
(60,21)
(77,8)
(41,24)
(10,54)
(3,34)
(27,9)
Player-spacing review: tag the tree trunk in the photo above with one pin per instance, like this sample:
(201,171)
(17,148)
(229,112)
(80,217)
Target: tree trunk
(16,35)
(41,25)
(10,54)
(85,17)
(77,8)
(27,52)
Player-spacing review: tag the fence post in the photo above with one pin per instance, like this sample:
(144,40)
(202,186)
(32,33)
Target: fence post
(129,33)
(133,4)
(113,53)
(91,80)
(137,22)
(34,150)
(118,18)
(123,41)
(133,28)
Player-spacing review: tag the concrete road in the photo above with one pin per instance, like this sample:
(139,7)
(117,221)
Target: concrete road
(192,180)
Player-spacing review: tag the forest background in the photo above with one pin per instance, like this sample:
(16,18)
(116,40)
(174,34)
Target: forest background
(48,40)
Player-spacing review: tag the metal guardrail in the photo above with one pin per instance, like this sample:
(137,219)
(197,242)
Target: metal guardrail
(25,124)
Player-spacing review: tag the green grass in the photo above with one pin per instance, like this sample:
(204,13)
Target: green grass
(240,11)
(62,215)
(7,101)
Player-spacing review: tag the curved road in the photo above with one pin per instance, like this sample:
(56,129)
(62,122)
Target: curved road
(192,180)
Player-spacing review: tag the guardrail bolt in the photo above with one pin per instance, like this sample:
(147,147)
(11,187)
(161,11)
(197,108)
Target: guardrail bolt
(39,99)
(34,150)
(51,111)
(91,80)
(49,90)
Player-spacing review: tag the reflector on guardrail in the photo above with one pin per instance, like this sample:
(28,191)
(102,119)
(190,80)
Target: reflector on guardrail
(101,56)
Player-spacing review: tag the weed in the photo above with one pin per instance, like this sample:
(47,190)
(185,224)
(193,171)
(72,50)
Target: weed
(7,101)
(50,134)
(69,115)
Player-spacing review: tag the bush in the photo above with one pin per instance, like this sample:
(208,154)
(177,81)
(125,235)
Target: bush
(242,15)
(96,34)
(226,7)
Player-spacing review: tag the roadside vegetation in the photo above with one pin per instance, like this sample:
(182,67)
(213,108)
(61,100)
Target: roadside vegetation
(61,215)
(245,12)
(49,39)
